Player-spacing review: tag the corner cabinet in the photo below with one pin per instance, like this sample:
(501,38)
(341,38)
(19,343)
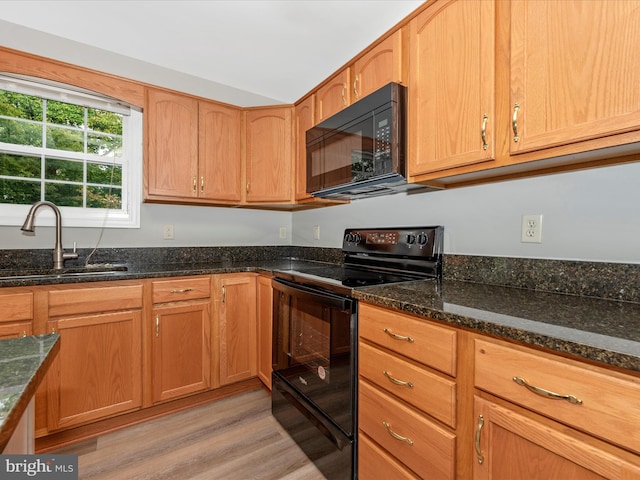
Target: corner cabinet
(193,149)
(235,315)
(181,337)
(100,329)
(269,155)
(451,86)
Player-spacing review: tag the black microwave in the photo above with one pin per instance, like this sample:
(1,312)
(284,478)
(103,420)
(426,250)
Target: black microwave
(360,151)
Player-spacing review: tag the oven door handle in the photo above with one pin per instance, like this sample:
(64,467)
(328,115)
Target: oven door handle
(309,293)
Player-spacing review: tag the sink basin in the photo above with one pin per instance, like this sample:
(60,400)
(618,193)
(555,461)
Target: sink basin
(89,272)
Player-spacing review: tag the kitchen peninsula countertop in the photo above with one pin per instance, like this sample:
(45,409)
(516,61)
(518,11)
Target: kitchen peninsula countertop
(23,364)
(601,330)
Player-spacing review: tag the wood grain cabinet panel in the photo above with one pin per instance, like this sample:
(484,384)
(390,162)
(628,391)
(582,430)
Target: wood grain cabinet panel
(374,462)
(512,446)
(16,313)
(451,86)
(382,64)
(607,405)
(269,154)
(235,303)
(98,372)
(574,71)
(264,300)
(410,336)
(422,445)
(181,289)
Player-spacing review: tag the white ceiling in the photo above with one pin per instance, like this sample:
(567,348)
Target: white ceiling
(277,50)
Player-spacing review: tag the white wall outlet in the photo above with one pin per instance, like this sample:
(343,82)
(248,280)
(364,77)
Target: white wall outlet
(316,232)
(531,231)
(167,231)
(283,232)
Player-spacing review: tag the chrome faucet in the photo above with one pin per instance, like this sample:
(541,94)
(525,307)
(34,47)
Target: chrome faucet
(59,255)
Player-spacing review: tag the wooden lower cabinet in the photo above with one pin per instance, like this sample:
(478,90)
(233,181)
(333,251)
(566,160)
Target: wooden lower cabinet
(16,313)
(374,462)
(512,446)
(180,332)
(235,306)
(98,372)
(181,355)
(264,299)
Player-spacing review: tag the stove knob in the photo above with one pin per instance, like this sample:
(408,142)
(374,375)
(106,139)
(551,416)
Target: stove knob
(348,237)
(411,239)
(422,239)
(357,238)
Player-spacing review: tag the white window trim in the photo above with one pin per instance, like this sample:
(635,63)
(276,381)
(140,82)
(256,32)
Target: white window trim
(126,217)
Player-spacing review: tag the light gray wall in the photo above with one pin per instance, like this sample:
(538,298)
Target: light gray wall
(591,215)
(193,226)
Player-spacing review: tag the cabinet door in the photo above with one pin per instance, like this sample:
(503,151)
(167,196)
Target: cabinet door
(379,66)
(171,131)
(304,114)
(98,372)
(220,160)
(510,446)
(334,95)
(575,70)
(181,350)
(265,323)
(236,309)
(269,155)
(451,86)
(15,330)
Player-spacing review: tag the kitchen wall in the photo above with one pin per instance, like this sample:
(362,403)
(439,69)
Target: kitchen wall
(591,215)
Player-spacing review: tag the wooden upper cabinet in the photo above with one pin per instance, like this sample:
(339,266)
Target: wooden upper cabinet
(194,149)
(575,71)
(334,95)
(171,122)
(304,115)
(220,158)
(379,66)
(269,154)
(451,86)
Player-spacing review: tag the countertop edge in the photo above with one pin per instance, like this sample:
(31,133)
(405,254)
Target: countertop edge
(13,418)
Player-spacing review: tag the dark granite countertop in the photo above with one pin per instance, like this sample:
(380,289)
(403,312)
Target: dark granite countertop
(23,364)
(602,330)
(605,331)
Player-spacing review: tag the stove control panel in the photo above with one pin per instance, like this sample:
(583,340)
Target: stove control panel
(409,241)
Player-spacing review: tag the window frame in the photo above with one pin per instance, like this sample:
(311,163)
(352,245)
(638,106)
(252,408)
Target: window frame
(128,216)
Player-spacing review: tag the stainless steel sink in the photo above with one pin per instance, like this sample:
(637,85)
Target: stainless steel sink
(89,272)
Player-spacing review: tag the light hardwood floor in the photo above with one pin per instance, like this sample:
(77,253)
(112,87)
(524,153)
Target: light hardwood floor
(235,438)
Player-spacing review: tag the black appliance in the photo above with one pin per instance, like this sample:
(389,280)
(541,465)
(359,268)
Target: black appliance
(360,151)
(315,334)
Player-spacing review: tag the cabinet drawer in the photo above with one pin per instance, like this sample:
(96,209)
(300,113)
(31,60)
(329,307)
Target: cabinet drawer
(177,290)
(98,298)
(16,306)
(427,391)
(374,463)
(431,453)
(423,342)
(609,401)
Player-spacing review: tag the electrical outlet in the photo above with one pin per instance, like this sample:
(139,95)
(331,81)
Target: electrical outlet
(283,232)
(167,231)
(531,231)
(316,232)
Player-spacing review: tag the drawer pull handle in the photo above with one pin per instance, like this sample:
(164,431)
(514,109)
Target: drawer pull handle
(396,381)
(483,134)
(182,290)
(478,433)
(397,337)
(157,325)
(547,393)
(395,435)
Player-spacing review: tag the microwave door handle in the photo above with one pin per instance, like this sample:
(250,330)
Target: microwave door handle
(312,294)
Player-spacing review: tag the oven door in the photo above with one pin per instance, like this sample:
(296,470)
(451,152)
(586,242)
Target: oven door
(314,348)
